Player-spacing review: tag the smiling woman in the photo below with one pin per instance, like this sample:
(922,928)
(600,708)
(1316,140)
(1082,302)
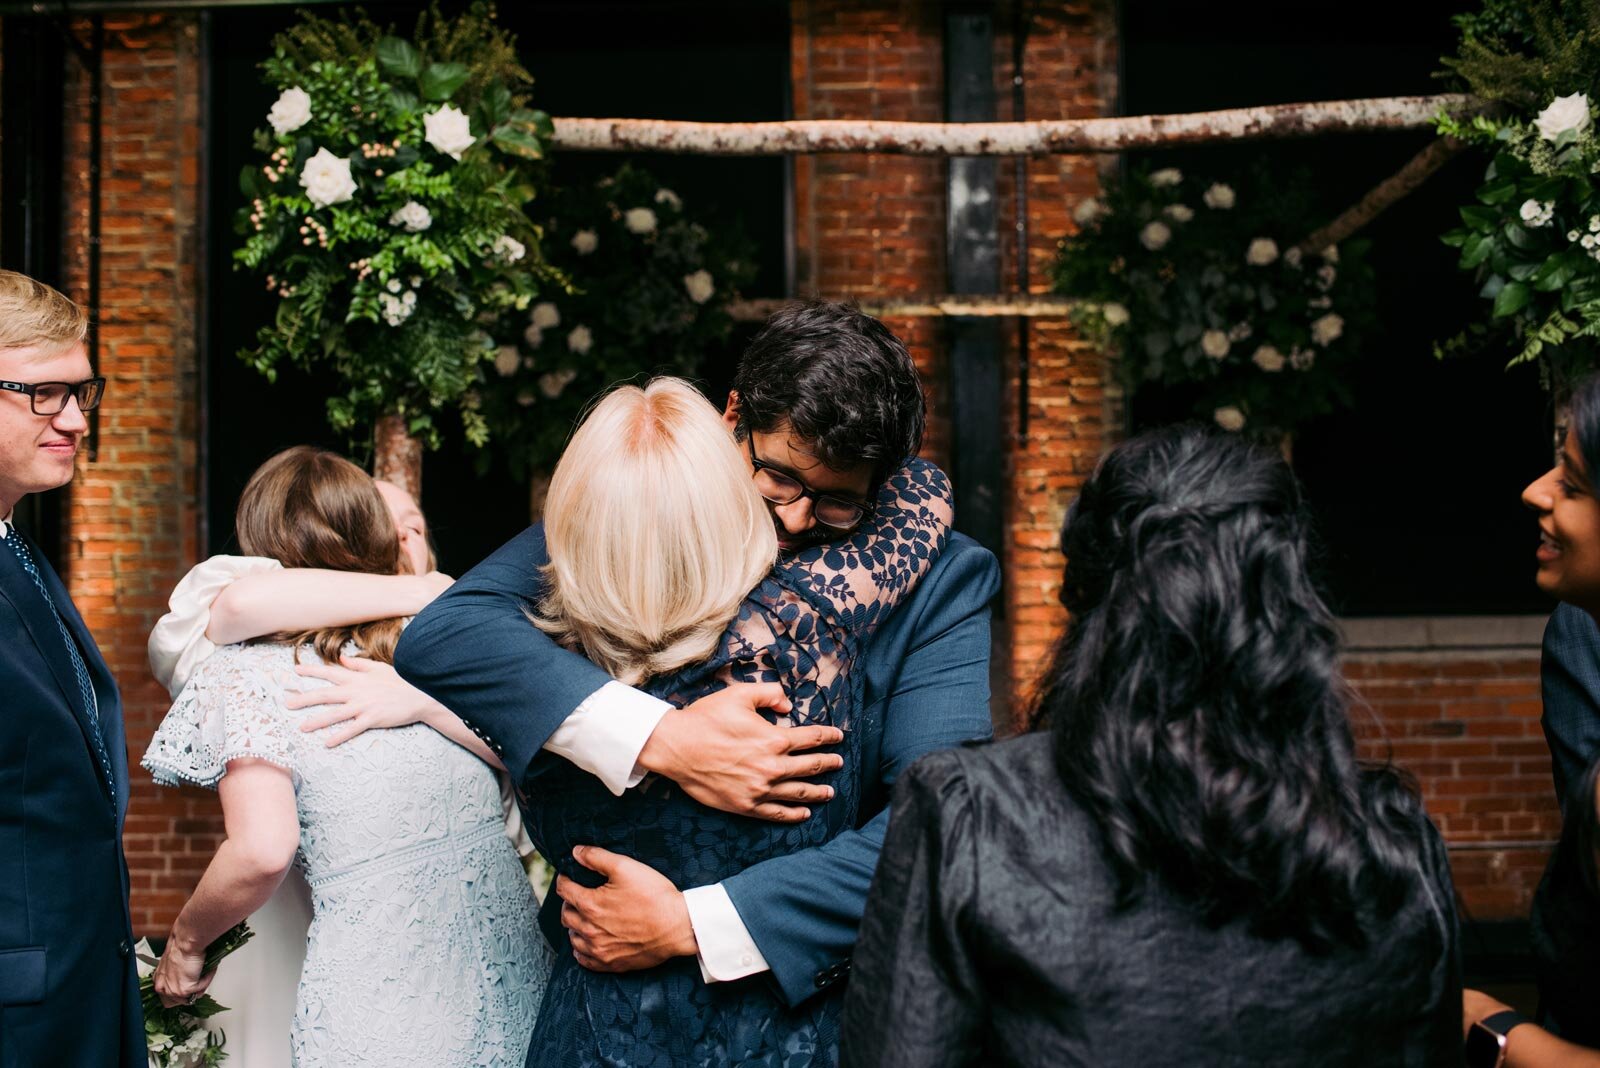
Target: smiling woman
(1569,511)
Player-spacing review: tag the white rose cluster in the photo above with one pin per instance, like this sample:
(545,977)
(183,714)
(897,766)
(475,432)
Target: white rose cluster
(580,340)
(1165,177)
(290,111)
(699,286)
(396,306)
(1179,213)
(1114,314)
(1262,251)
(585,242)
(1219,197)
(1215,343)
(1328,329)
(1155,235)
(1229,418)
(448,130)
(326,179)
(1538,213)
(1268,359)
(508,249)
(1565,118)
(639,220)
(506,360)
(1589,242)
(545,315)
(413,216)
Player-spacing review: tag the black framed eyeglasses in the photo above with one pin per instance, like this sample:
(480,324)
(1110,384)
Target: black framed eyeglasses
(50,398)
(841,513)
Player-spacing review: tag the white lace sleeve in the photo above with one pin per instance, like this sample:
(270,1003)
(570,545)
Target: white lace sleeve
(231,708)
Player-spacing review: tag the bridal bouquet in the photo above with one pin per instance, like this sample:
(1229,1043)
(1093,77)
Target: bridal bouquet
(387,214)
(1200,287)
(178,1037)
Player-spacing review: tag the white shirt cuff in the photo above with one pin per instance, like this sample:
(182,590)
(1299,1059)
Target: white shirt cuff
(727,951)
(605,735)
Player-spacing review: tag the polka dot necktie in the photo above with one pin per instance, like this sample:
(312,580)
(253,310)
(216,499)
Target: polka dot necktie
(79,668)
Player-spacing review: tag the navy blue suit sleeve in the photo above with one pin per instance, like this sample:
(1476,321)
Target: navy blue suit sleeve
(475,651)
(803,910)
(1570,679)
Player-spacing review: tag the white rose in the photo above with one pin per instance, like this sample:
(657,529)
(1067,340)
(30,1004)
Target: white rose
(585,242)
(506,360)
(1166,176)
(1219,196)
(533,336)
(1114,314)
(448,131)
(326,179)
(1229,418)
(552,383)
(1179,212)
(413,216)
(580,340)
(699,286)
(1566,114)
(639,220)
(1087,211)
(1155,235)
(290,111)
(1327,329)
(1215,343)
(1262,251)
(668,197)
(545,315)
(1268,359)
(1330,254)
(393,285)
(508,248)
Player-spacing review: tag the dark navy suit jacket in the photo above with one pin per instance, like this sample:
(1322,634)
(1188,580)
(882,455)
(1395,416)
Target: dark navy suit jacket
(1570,678)
(69,992)
(926,675)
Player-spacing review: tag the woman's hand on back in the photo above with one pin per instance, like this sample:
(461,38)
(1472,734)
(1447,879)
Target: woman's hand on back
(364,695)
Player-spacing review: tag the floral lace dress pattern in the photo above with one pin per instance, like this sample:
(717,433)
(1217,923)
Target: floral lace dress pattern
(802,627)
(423,947)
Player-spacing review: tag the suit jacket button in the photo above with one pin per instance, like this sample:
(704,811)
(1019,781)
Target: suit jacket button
(123,949)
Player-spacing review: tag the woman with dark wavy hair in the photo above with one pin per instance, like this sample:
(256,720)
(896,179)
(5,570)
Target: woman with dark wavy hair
(1190,866)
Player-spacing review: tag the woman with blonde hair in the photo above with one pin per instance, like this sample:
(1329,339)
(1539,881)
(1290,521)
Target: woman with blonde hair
(422,948)
(664,570)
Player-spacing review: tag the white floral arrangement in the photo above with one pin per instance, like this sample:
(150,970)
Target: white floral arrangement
(388,213)
(650,287)
(1201,288)
(182,1036)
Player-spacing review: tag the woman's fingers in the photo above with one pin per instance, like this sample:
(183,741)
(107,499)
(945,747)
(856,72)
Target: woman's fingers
(337,714)
(360,663)
(357,725)
(329,672)
(322,695)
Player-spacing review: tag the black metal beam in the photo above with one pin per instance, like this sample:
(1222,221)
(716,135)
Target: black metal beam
(972,252)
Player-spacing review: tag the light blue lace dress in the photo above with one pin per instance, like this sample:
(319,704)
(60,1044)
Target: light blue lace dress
(424,948)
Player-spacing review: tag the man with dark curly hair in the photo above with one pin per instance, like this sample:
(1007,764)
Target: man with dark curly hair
(828,405)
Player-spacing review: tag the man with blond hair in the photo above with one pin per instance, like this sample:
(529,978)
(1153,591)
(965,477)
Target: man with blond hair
(69,993)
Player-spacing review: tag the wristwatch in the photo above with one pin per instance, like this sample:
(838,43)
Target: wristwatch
(1486,1047)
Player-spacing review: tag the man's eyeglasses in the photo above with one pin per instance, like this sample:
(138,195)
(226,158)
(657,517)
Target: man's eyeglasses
(841,513)
(50,398)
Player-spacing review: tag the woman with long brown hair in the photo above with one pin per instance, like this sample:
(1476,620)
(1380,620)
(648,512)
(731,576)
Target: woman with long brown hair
(423,948)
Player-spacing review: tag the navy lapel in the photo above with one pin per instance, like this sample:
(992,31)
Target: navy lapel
(18,588)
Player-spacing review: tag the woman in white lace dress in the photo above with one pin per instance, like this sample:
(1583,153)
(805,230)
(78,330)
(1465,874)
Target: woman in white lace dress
(423,948)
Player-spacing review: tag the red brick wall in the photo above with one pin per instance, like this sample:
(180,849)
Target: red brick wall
(132,526)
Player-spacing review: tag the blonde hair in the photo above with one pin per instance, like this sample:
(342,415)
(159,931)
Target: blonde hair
(307,507)
(655,532)
(34,315)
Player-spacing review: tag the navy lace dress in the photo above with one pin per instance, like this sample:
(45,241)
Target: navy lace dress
(802,627)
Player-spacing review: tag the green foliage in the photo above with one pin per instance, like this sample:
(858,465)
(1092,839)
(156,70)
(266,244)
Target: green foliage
(177,1035)
(1532,238)
(394,275)
(1200,287)
(1524,53)
(632,311)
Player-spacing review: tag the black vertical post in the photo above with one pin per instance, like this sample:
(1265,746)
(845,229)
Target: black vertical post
(31,124)
(972,250)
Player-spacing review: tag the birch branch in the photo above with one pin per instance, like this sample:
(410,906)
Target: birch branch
(1041,137)
(1402,183)
(929,305)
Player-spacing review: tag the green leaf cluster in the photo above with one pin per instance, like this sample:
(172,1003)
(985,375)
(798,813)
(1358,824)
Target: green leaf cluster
(1525,53)
(629,295)
(402,315)
(1166,311)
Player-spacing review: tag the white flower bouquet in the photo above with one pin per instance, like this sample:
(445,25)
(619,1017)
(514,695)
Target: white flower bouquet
(387,214)
(180,1037)
(1201,290)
